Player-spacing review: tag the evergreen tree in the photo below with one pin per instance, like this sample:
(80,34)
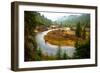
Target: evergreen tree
(59,53)
(84,33)
(78,30)
(38,55)
(83,50)
(65,56)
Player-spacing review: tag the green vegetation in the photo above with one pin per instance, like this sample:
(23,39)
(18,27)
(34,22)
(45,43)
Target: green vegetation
(29,35)
(78,30)
(65,56)
(32,20)
(82,50)
(82,46)
(72,20)
(59,54)
(39,56)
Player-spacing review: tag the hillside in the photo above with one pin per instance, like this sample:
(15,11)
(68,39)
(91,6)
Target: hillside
(72,20)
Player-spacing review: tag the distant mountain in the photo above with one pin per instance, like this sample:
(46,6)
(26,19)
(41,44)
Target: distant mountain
(72,20)
(62,18)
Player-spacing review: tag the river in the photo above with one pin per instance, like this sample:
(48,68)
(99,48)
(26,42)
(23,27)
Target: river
(52,49)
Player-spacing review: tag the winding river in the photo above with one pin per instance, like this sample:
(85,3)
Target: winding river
(52,49)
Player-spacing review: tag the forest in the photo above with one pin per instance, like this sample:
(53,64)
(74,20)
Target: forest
(72,30)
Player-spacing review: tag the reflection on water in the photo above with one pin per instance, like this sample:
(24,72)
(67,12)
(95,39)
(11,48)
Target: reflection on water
(52,49)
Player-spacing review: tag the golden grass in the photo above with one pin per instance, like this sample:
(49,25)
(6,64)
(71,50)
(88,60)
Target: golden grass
(63,38)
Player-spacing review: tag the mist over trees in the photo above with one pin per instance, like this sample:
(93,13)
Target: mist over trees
(72,20)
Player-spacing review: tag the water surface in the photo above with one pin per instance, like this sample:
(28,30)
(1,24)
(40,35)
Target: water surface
(52,49)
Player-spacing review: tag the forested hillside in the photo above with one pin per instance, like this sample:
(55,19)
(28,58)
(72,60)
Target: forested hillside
(32,20)
(72,20)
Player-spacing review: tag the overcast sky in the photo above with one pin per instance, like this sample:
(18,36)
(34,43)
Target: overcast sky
(55,16)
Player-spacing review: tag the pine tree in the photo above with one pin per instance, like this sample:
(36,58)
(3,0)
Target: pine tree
(38,55)
(65,56)
(59,53)
(78,30)
(84,33)
(83,50)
